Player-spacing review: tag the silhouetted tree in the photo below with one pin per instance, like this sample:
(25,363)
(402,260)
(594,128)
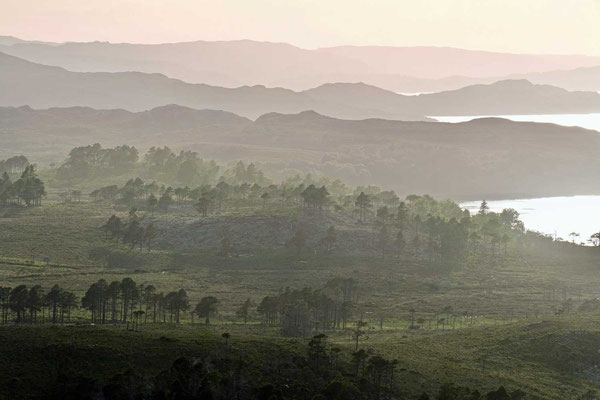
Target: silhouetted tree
(363,202)
(483,208)
(244,309)
(53,298)
(206,308)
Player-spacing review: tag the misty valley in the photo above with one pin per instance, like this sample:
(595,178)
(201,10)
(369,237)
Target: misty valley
(255,220)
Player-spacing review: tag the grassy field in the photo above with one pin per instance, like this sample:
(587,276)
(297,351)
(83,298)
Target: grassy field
(516,355)
(50,244)
(504,328)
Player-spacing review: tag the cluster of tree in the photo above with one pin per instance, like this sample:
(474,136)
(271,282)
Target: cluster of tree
(14,165)
(314,197)
(306,311)
(136,191)
(108,193)
(231,372)
(298,312)
(131,233)
(241,173)
(35,305)
(125,301)
(206,197)
(186,167)
(70,196)
(29,189)
(159,163)
(122,302)
(404,233)
(421,227)
(89,161)
(438,231)
(322,372)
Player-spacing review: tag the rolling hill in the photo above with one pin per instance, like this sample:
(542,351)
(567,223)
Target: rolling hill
(40,86)
(247,62)
(491,157)
(584,79)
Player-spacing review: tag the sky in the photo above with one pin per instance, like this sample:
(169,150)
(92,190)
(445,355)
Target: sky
(518,26)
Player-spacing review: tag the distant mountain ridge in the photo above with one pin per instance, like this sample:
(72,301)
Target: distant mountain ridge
(247,62)
(578,79)
(485,158)
(39,86)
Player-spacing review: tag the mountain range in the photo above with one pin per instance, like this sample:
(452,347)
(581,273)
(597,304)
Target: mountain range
(245,62)
(39,86)
(578,79)
(484,158)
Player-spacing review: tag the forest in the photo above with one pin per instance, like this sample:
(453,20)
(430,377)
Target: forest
(183,247)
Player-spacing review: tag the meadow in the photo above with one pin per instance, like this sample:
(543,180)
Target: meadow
(514,355)
(511,318)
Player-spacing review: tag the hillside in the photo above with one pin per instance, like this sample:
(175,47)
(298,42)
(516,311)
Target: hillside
(40,86)
(576,79)
(491,158)
(49,134)
(424,361)
(584,79)
(513,96)
(494,300)
(482,158)
(246,62)
(507,97)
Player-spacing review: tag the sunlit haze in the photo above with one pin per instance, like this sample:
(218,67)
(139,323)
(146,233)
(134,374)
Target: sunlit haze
(300,199)
(533,26)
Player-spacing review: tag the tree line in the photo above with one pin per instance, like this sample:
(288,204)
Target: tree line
(333,374)
(298,312)
(14,165)
(185,167)
(35,305)
(318,371)
(28,190)
(130,232)
(420,228)
(118,302)
(88,161)
(206,198)
(302,312)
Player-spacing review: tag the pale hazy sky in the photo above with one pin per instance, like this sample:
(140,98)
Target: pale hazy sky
(539,26)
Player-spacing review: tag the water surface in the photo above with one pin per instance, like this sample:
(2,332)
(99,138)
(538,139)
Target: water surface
(553,215)
(588,121)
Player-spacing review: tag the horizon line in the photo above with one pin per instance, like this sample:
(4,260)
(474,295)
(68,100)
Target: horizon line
(60,43)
